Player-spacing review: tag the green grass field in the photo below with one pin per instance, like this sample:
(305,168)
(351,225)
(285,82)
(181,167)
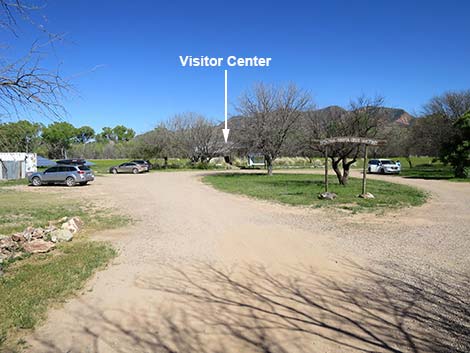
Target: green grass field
(30,285)
(422,167)
(303,189)
(101,166)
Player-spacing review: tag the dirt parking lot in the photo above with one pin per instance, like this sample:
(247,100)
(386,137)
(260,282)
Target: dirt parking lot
(205,271)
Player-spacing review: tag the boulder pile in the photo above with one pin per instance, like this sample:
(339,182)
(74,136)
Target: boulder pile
(38,240)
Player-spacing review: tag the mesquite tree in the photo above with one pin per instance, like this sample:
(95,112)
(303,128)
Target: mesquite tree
(361,120)
(195,137)
(270,113)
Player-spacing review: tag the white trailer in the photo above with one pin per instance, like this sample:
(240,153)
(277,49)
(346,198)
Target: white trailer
(17,165)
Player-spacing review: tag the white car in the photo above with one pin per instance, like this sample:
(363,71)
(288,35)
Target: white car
(383,166)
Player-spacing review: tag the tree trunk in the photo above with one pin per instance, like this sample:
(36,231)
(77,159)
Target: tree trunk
(335,166)
(346,169)
(408,159)
(269,164)
(345,178)
(460,171)
(165,162)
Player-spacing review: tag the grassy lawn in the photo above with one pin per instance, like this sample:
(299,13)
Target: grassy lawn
(29,286)
(4,183)
(101,166)
(302,189)
(432,171)
(20,209)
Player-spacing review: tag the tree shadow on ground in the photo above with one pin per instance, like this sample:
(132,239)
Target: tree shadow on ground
(253,309)
(295,183)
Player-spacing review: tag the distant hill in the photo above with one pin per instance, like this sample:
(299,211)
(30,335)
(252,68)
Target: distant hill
(392,115)
(398,116)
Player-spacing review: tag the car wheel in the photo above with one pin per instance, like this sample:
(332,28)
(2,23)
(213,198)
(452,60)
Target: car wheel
(368,170)
(135,171)
(70,181)
(36,181)
(114,171)
(382,171)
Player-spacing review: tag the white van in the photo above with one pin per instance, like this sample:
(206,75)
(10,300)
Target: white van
(383,166)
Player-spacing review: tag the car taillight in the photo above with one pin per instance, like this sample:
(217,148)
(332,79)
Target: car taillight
(81,172)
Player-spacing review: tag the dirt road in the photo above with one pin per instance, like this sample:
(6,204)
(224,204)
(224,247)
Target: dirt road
(205,271)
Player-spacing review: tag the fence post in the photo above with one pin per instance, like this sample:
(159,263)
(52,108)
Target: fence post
(364,170)
(326,168)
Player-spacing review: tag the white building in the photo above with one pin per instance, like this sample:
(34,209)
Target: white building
(16,165)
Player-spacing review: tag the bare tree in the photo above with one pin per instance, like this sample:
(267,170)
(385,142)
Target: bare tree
(25,85)
(436,129)
(270,113)
(195,137)
(361,120)
(157,143)
(451,105)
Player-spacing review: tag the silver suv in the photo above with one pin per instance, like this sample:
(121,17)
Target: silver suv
(69,175)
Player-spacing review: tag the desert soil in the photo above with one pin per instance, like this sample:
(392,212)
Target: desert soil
(204,271)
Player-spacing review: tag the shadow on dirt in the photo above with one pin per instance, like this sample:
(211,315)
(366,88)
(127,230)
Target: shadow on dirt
(253,309)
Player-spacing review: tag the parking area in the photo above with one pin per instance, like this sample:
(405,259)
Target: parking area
(190,239)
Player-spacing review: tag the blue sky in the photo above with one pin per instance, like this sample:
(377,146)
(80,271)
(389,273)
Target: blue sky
(407,51)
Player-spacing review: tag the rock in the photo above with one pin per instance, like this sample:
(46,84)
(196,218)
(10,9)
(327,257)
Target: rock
(8,244)
(38,233)
(38,246)
(17,237)
(49,229)
(74,224)
(367,195)
(327,196)
(61,235)
(28,233)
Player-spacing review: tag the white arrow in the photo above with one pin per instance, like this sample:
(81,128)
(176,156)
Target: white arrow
(225,131)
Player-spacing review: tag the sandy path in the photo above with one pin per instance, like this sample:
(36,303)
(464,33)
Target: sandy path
(204,271)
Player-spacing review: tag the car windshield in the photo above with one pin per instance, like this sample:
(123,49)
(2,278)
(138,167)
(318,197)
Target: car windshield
(83,167)
(387,161)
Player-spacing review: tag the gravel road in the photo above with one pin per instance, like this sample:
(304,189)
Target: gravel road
(205,271)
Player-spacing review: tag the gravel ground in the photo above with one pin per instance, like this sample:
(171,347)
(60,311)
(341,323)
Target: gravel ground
(205,271)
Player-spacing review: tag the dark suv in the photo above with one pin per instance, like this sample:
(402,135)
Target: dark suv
(69,175)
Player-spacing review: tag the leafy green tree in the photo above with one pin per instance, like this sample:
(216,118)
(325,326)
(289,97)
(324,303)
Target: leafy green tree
(85,134)
(58,137)
(456,152)
(116,134)
(122,133)
(20,136)
(106,134)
